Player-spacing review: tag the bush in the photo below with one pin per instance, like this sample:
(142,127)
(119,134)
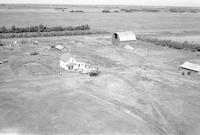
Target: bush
(34,53)
(76,11)
(2,43)
(105,11)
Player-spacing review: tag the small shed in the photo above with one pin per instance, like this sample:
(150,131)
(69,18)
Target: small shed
(67,62)
(59,47)
(189,68)
(123,38)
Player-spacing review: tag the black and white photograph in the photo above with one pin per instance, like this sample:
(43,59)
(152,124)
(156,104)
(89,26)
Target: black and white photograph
(99,67)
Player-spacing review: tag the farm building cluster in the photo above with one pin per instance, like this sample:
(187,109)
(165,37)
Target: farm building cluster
(123,39)
(69,63)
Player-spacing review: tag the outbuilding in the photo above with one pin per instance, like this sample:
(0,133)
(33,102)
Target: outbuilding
(59,47)
(189,68)
(123,38)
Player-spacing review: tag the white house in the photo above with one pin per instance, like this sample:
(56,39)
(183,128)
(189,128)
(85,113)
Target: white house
(123,38)
(67,62)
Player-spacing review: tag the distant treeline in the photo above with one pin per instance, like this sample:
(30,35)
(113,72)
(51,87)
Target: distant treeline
(172,44)
(140,10)
(173,10)
(76,11)
(42,28)
(60,8)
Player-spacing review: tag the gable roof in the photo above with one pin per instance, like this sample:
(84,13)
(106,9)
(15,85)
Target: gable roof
(65,57)
(59,47)
(126,36)
(191,66)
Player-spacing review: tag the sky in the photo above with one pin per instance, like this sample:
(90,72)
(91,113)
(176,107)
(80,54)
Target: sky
(195,3)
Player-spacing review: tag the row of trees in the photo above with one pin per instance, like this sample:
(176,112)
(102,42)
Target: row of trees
(50,34)
(172,44)
(42,28)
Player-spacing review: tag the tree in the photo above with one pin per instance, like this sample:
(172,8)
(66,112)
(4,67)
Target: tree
(3,30)
(13,28)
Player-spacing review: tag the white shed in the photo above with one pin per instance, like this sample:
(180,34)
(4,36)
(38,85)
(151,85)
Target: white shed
(59,47)
(123,38)
(190,67)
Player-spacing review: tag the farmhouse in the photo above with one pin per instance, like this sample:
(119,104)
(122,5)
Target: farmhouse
(67,62)
(123,38)
(190,68)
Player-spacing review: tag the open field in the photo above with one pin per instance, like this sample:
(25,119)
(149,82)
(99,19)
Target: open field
(137,21)
(140,22)
(138,92)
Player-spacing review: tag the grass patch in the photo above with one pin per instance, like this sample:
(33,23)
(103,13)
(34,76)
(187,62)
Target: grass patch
(172,44)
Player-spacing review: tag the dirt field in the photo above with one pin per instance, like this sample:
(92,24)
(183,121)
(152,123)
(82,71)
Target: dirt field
(138,92)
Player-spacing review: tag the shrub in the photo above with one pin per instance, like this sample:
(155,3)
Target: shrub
(76,11)
(34,53)
(127,10)
(105,11)
(2,43)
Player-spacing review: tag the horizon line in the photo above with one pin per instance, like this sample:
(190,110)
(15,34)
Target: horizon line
(98,4)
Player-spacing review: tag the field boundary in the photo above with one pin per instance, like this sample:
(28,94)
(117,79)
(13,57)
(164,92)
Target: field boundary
(171,44)
(52,33)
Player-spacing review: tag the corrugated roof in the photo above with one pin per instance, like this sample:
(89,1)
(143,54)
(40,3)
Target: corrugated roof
(191,66)
(126,36)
